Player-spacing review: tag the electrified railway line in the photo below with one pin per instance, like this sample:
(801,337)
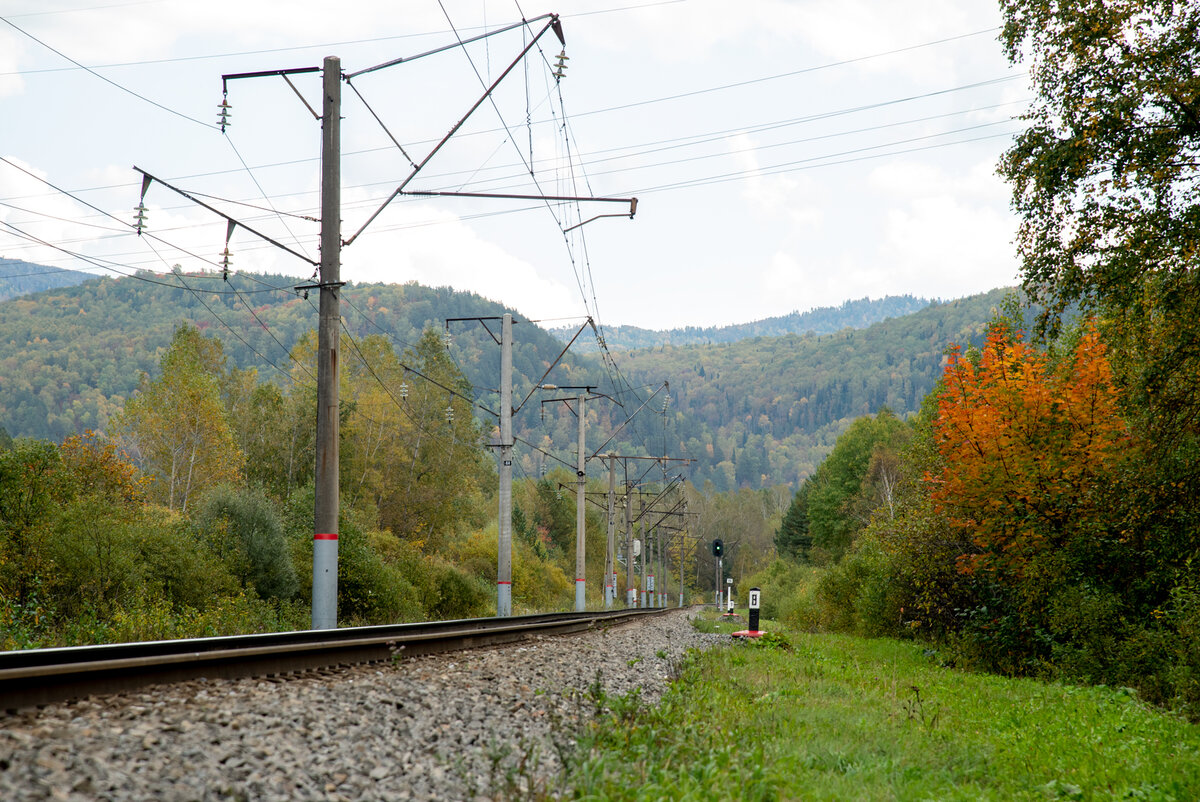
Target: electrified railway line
(35,677)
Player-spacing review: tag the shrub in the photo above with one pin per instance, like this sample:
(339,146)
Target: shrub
(244,529)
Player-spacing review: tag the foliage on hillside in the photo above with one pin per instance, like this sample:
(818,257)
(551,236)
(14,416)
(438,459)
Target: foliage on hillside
(756,413)
(857,314)
(766,411)
(24,278)
(1037,529)
(195,518)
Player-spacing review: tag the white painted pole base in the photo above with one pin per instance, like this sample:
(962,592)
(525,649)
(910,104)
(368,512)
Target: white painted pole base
(324,599)
(580,596)
(503,599)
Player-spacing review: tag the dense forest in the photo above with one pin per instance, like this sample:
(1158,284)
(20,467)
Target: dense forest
(1040,514)
(754,413)
(22,278)
(858,314)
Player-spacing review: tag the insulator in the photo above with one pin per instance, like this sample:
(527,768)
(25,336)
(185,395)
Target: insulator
(558,494)
(225,257)
(139,218)
(560,66)
(404,391)
(446,338)
(224,113)
(543,471)
(449,413)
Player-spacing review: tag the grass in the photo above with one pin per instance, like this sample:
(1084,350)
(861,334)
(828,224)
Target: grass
(822,717)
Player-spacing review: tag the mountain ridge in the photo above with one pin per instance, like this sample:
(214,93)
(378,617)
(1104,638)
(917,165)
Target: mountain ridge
(855,314)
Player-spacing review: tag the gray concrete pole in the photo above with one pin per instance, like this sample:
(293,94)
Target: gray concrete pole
(504,546)
(580,518)
(630,588)
(682,552)
(610,556)
(645,548)
(661,590)
(325,508)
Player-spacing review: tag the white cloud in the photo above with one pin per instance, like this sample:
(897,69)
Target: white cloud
(437,249)
(11,53)
(945,234)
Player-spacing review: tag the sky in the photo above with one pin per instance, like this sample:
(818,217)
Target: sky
(786,154)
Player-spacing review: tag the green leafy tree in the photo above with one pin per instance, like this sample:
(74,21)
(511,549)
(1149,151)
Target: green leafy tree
(245,530)
(1105,181)
(847,487)
(176,425)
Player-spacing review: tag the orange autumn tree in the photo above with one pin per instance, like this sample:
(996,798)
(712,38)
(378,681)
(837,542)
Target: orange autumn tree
(1029,449)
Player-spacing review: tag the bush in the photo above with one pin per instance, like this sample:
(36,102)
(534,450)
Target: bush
(244,529)
(787,593)
(445,590)
(539,585)
(370,591)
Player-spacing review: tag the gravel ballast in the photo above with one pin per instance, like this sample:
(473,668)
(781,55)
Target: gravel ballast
(477,724)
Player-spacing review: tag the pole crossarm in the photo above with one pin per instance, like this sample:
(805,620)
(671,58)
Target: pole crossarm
(554,23)
(482,321)
(486,94)
(633,202)
(625,423)
(553,365)
(233,76)
(226,217)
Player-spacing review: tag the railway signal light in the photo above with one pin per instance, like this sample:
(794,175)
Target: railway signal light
(718,548)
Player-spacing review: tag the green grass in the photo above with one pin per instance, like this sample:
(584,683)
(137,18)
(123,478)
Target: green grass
(843,718)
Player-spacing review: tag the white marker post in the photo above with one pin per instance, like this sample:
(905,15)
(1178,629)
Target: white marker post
(753,600)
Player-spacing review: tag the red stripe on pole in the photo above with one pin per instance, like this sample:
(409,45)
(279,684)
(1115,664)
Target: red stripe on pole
(325,536)
(502,582)
(578,579)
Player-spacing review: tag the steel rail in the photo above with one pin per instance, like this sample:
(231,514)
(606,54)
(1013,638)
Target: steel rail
(36,677)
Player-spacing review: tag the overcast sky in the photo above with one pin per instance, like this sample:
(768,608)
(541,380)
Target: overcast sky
(786,154)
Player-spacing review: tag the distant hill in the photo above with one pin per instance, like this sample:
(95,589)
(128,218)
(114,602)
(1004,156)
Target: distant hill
(755,412)
(19,278)
(773,406)
(826,320)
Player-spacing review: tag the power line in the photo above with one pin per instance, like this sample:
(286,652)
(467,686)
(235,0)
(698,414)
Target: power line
(109,81)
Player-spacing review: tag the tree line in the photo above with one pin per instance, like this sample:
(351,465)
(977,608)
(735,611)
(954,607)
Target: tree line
(1039,515)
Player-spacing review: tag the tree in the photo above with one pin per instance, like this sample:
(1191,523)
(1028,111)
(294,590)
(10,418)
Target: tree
(176,425)
(1105,181)
(792,537)
(846,488)
(412,449)
(1029,451)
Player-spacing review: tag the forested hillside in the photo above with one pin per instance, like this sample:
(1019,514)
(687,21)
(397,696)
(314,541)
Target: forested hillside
(850,315)
(754,413)
(767,410)
(22,278)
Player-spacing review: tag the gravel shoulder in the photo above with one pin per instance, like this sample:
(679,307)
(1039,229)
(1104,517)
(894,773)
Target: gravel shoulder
(483,724)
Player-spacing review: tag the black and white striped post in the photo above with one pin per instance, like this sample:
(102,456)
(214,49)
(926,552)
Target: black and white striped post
(752,601)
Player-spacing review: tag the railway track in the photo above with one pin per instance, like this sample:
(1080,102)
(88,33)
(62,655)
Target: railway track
(37,677)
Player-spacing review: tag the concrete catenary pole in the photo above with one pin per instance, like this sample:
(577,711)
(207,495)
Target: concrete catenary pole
(610,565)
(630,587)
(504,547)
(325,508)
(580,519)
(661,601)
(682,553)
(645,548)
